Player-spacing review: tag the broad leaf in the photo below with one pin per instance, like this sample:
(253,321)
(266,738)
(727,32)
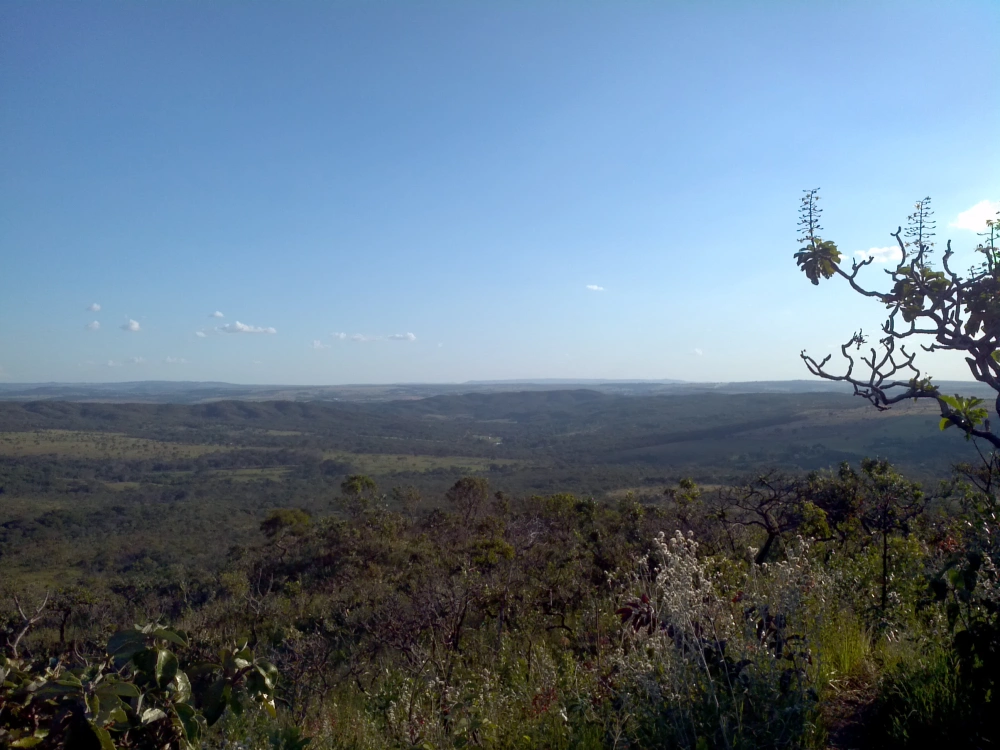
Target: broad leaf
(152,714)
(177,637)
(166,668)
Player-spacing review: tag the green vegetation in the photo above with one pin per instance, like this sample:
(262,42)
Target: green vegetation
(556,569)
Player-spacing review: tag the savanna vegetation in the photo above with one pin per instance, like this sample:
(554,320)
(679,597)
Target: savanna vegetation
(556,570)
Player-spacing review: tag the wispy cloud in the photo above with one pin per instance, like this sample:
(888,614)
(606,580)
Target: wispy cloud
(238,327)
(136,360)
(698,351)
(595,288)
(216,314)
(94,307)
(975,218)
(94,325)
(200,334)
(132,326)
(890,254)
(112,363)
(364,337)
(317,344)
(175,361)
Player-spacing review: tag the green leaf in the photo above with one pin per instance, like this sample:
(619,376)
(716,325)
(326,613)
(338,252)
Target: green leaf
(152,714)
(818,260)
(166,668)
(93,704)
(124,644)
(177,637)
(952,401)
(182,687)
(126,690)
(26,742)
(215,700)
(269,672)
(189,721)
(104,738)
(145,661)
(945,423)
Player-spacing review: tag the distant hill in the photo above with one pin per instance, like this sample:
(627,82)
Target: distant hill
(193,392)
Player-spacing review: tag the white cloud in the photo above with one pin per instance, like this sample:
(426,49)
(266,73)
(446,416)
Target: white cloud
(94,325)
(200,334)
(595,288)
(136,360)
(112,363)
(317,344)
(216,314)
(364,337)
(132,326)
(975,218)
(238,327)
(882,254)
(699,352)
(94,307)
(175,361)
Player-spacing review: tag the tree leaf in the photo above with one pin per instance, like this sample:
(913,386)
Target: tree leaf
(182,687)
(126,690)
(124,644)
(215,700)
(104,737)
(152,714)
(177,637)
(951,401)
(166,668)
(269,672)
(189,721)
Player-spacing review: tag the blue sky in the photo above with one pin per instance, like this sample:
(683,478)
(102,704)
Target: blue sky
(401,191)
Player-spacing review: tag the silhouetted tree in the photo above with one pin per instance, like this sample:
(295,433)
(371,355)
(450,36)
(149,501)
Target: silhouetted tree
(960,313)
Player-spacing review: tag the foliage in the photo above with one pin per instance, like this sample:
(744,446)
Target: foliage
(959,313)
(136,696)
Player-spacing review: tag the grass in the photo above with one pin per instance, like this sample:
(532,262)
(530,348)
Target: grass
(390,463)
(844,649)
(108,445)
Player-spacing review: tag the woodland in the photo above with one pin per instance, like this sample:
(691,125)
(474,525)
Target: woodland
(537,569)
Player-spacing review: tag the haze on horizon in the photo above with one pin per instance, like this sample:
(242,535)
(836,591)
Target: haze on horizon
(307,193)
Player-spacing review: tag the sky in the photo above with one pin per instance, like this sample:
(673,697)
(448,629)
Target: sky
(372,192)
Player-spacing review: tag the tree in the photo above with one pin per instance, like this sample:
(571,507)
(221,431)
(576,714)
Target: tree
(960,313)
(772,502)
(469,496)
(360,492)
